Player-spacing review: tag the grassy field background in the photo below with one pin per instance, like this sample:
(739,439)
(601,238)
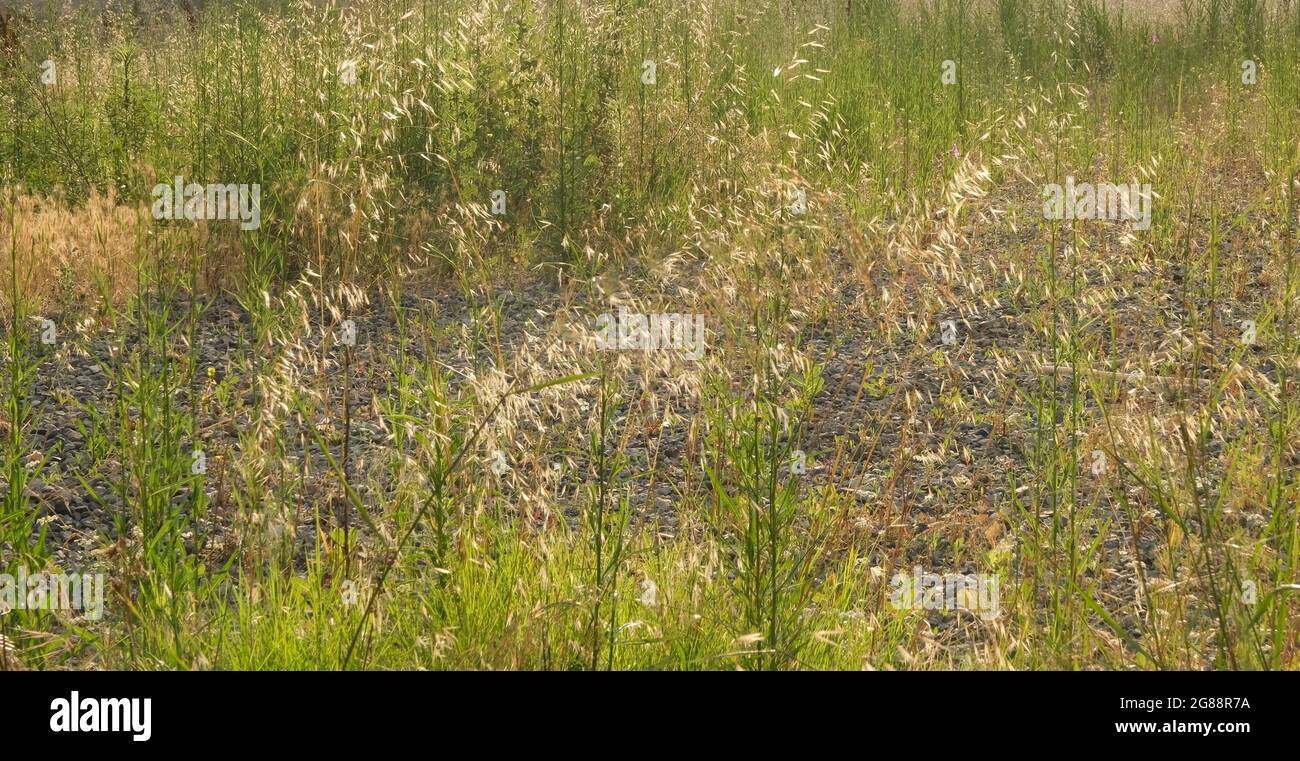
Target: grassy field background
(415,454)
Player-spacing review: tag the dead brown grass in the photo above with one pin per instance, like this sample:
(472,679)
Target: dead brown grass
(71,257)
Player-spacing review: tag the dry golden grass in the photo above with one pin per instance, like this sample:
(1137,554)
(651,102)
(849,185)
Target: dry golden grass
(66,256)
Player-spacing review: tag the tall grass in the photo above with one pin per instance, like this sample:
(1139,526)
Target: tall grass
(304,546)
